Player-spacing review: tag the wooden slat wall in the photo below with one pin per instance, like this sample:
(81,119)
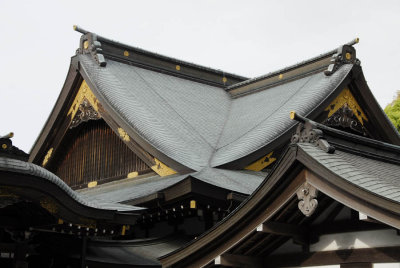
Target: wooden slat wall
(93,152)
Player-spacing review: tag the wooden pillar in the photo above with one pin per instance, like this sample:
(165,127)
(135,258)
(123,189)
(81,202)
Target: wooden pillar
(83,252)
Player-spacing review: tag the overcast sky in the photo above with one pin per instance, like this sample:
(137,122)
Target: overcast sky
(249,38)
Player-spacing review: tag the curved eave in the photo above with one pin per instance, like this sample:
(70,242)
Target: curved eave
(32,184)
(349,194)
(284,137)
(277,189)
(234,227)
(385,128)
(56,116)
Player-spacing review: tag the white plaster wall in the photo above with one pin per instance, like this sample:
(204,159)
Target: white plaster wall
(354,240)
(386,265)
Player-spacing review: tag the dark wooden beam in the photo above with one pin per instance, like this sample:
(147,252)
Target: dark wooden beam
(356,265)
(280,228)
(231,260)
(236,197)
(369,255)
(345,226)
(298,233)
(145,199)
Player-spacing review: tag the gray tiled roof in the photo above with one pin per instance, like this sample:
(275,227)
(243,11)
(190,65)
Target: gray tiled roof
(21,167)
(131,189)
(258,119)
(244,182)
(199,125)
(378,177)
(139,254)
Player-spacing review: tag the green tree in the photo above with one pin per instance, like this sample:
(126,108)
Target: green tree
(393,111)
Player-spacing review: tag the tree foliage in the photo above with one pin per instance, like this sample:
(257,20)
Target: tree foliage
(393,111)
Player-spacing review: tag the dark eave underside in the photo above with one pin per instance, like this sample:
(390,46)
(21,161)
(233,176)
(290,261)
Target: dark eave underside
(34,183)
(381,202)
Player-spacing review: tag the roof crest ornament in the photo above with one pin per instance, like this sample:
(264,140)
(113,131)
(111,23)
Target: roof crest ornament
(10,151)
(90,45)
(307,132)
(345,54)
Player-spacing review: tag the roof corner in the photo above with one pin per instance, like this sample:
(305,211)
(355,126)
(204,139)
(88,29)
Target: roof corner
(89,44)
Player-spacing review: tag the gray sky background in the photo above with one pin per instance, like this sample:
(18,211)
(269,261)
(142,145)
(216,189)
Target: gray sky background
(249,38)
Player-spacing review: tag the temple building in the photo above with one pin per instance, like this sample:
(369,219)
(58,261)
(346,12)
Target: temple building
(150,161)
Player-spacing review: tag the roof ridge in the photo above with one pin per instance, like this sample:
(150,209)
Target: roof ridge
(378,146)
(291,67)
(154,54)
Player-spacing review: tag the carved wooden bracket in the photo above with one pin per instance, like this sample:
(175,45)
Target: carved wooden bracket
(306,133)
(85,113)
(307,194)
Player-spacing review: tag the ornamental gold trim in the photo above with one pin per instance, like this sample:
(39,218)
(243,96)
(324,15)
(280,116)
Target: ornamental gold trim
(162,169)
(133,174)
(261,163)
(122,133)
(47,157)
(92,184)
(84,93)
(347,98)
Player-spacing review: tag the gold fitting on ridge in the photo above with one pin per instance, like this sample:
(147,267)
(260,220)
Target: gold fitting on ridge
(292,115)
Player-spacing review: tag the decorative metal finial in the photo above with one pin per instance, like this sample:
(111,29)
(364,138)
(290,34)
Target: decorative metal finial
(345,54)
(10,151)
(8,136)
(90,45)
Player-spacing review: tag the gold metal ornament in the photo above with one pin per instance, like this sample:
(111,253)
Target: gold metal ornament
(84,92)
(122,133)
(47,157)
(162,169)
(347,98)
(261,163)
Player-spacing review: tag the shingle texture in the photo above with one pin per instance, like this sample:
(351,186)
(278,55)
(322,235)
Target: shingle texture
(378,177)
(138,254)
(21,167)
(244,182)
(199,125)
